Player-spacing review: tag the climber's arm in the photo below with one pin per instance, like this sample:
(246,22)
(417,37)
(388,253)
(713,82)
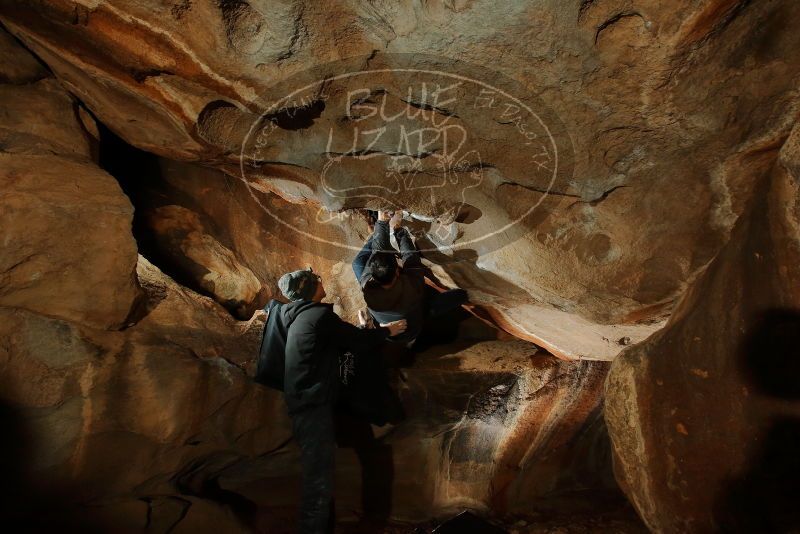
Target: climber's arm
(380,235)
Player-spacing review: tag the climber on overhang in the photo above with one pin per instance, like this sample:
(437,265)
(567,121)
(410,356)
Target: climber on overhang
(393,292)
(303,341)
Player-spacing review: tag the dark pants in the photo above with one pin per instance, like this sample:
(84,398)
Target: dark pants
(377,465)
(445,302)
(314,432)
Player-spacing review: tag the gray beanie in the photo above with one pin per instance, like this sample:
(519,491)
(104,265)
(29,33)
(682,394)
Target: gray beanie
(298,285)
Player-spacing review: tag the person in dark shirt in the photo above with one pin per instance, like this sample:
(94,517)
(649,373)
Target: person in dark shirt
(393,292)
(300,355)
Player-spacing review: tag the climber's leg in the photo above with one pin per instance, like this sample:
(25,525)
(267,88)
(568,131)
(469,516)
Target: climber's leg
(360,262)
(445,302)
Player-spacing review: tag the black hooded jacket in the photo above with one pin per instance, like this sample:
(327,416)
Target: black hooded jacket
(406,298)
(300,350)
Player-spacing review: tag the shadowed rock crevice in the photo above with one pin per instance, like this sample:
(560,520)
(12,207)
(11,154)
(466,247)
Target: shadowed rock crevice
(614,20)
(136,170)
(297,117)
(173,237)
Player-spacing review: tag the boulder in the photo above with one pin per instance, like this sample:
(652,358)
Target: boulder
(104,415)
(202,259)
(68,250)
(17,64)
(42,118)
(704,416)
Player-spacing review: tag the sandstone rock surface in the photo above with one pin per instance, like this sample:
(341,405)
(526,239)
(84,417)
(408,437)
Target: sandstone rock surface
(669,111)
(114,378)
(67,248)
(126,395)
(18,65)
(704,416)
(109,415)
(40,118)
(63,256)
(209,231)
(657,161)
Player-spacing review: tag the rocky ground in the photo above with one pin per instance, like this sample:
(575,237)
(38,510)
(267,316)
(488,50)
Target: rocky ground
(577,513)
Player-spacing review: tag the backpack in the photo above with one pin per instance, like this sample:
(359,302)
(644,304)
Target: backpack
(271,361)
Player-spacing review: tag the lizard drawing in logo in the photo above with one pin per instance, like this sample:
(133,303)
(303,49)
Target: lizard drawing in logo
(417,159)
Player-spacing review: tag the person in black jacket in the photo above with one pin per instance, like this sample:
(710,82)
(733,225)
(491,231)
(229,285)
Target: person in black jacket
(300,355)
(394,292)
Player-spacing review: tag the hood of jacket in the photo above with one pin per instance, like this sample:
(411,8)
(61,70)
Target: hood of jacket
(287,313)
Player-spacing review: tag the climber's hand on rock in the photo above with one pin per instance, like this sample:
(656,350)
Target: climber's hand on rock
(258,316)
(396,220)
(395,327)
(385,215)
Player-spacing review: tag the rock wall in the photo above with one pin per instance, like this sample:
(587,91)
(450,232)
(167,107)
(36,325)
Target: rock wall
(104,417)
(206,229)
(669,111)
(113,376)
(126,397)
(126,273)
(46,177)
(704,416)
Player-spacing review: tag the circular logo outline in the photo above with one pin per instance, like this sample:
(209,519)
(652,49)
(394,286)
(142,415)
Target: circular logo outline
(277,105)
